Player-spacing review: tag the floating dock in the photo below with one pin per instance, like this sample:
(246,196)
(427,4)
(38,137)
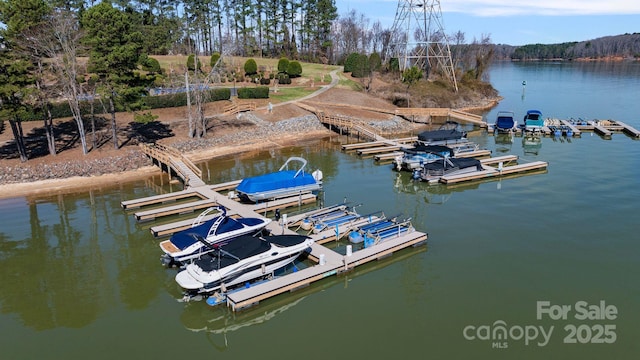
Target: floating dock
(502,166)
(604,128)
(332,263)
(328,261)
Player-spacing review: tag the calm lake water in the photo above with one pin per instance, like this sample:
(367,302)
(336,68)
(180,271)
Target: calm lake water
(79,278)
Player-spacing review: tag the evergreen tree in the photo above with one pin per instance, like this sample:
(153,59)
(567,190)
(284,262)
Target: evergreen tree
(115,50)
(15,84)
(17,80)
(411,76)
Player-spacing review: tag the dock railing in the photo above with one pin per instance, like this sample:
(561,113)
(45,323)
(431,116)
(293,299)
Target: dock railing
(235,108)
(171,156)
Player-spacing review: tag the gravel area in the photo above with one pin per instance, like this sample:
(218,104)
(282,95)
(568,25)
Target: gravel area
(261,130)
(29,172)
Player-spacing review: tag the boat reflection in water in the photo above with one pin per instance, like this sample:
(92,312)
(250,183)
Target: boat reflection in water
(200,317)
(531,144)
(504,141)
(219,321)
(433,193)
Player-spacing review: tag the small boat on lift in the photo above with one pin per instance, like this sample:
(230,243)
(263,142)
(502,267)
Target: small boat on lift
(281,183)
(533,121)
(505,122)
(245,259)
(196,241)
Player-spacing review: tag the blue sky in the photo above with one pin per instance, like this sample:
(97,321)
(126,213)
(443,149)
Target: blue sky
(519,22)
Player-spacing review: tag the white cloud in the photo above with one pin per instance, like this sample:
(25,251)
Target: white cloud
(541,7)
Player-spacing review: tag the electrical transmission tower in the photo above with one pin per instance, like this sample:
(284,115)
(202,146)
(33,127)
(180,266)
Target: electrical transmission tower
(419,39)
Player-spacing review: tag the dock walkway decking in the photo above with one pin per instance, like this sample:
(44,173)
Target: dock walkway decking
(334,264)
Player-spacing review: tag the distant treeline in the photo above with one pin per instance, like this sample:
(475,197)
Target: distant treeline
(625,46)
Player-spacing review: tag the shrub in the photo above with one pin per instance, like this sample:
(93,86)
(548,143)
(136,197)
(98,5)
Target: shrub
(283,65)
(150,64)
(284,79)
(214,59)
(144,118)
(62,110)
(191,63)
(265,81)
(394,64)
(250,67)
(375,61)
(260,92)
(361,67)
(294,69)
(350,62)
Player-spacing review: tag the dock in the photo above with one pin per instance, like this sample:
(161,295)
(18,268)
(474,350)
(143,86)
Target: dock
(604,128)
(328,262)
(496,167)
(332,263)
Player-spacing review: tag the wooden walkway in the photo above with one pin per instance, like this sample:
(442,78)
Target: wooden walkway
(410,113)
(458,115)
(349,125)
(329,263)
(174,161)
(235,108)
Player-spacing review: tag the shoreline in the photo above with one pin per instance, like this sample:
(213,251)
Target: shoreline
(259,136)
(75,183)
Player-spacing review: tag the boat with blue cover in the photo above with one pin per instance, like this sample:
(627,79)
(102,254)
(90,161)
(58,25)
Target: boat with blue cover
(533,121)
(194,242)
(281,183)
(505,122)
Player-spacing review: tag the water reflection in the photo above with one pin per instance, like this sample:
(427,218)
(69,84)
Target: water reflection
(504,142)
(59,270)
(531,144)
(220,322)
(432,193)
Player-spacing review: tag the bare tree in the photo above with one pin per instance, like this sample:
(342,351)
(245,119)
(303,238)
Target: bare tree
(58,39)
(43,93)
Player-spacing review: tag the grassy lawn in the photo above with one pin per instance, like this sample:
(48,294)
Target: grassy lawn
(292,93)
(316,74)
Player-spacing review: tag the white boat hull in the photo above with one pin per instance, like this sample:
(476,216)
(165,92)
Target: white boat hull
(198,249)
(193,278)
